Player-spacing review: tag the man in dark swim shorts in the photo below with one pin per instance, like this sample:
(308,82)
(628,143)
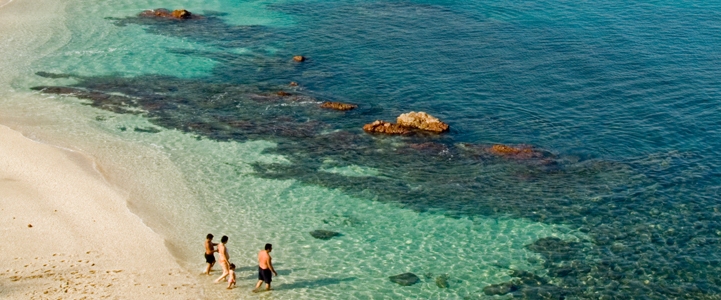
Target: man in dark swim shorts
(209,250)
(265,267)
(265,275)
(210,258)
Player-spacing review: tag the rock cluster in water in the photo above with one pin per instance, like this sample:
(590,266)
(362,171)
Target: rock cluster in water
(405,279)
(167,14)
(324,234)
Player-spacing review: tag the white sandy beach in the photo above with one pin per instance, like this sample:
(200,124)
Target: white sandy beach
(67,231)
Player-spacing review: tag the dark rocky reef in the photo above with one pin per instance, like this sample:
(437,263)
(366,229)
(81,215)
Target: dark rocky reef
(324,234)
(526,285)
(405,279)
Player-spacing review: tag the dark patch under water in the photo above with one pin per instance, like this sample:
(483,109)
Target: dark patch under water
(645,243)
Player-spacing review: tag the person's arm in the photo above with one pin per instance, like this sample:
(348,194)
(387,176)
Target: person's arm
(270,265)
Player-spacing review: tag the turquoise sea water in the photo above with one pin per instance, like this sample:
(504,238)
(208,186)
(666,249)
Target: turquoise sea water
(621,98)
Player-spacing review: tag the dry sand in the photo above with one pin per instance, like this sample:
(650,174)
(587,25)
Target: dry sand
(66,233)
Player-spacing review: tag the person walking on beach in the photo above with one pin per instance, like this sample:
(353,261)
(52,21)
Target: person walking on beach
(265,266)
(223,258)
(209,250)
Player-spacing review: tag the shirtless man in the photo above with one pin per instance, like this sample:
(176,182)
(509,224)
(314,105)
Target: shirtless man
(265,266)
(223,258)
(209,250)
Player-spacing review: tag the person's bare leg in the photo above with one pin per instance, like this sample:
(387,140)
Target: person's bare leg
(257,286)
(226,271)
(267,286)
(207,268)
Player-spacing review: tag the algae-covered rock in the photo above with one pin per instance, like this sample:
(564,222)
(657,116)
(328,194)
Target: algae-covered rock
(442,281)
(324,234)
(405,279)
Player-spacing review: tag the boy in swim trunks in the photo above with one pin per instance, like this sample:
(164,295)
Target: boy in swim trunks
(265,267)
(231,277)
(209,249)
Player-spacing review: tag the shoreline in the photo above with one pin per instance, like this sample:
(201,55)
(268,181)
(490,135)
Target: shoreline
(67,232)
(95,232)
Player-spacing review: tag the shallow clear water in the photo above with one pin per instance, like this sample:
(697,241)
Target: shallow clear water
(622,99)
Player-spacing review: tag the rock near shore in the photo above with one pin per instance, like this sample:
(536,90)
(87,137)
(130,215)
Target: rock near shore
(405,279)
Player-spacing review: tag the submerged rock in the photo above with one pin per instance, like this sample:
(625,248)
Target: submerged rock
(442,281)
(520,152)
(385,127)
(338,105)
(324,234)
(405,279)
(500,288)
(167,14)
(423,121)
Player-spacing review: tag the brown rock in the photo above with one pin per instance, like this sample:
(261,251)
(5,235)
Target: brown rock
(181,14)
(164,13)
(293,83)
(384,127)
(283,93)
(423,121)
(338,105)
(299,58)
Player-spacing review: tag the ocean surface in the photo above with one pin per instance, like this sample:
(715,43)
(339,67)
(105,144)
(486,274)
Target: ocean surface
(620,100)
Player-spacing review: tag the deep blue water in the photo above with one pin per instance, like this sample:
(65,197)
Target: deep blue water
(622,97)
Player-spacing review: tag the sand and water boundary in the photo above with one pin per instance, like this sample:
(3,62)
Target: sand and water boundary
(67,201)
